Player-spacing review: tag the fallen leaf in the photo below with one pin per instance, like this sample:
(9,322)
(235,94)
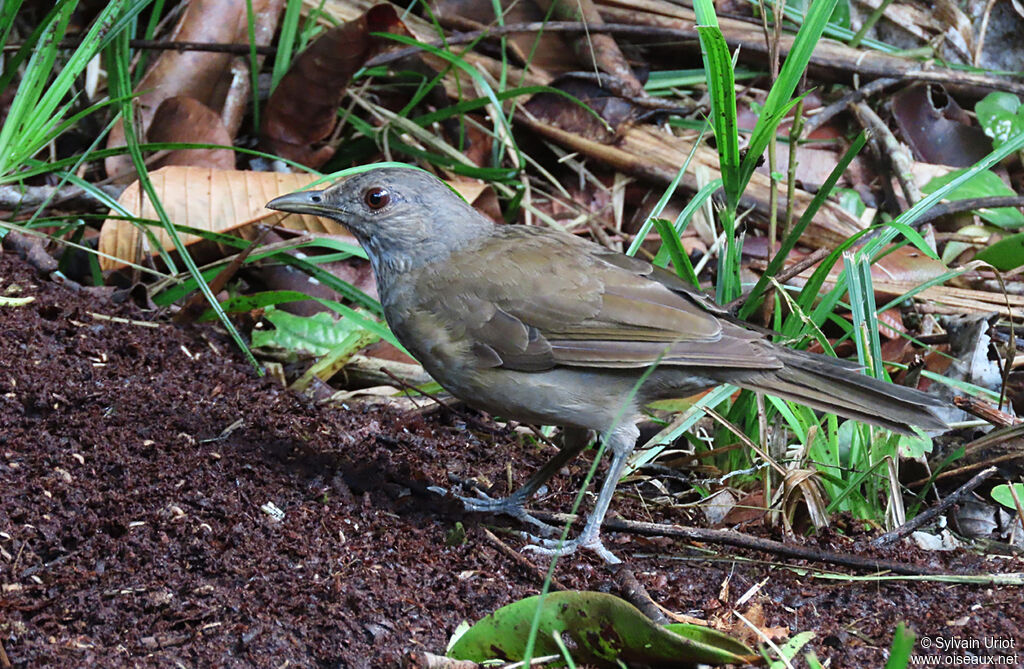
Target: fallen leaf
(216,200)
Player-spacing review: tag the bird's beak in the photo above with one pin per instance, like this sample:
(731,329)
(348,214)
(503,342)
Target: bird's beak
(302,202)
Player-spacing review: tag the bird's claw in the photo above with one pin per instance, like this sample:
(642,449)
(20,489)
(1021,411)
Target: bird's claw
(559,548)
(508,506)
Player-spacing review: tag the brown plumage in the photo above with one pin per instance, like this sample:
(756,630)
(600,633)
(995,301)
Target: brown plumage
(540,326)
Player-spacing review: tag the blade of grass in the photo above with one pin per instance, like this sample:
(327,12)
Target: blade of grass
(683,220)
(722,90)
(461,64)
(779,99)
(670,241)
(286,41)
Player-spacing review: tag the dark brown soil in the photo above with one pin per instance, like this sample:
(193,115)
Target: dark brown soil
(134,462)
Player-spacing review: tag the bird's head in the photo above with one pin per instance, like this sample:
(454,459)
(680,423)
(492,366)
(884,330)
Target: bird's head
(403,217)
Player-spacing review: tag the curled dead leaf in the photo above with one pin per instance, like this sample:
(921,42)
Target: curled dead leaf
(203,75)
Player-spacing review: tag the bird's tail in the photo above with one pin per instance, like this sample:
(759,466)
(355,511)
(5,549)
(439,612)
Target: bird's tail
(837,386)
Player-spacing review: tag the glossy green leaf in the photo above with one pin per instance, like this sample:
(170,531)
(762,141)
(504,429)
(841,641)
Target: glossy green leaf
(1004,255)
(1001,494)
(600,629)
(983,184)
(317,334)
(914,445)
(1001,115)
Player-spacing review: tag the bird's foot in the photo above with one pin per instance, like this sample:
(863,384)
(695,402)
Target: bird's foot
(586,541)
(509,506)
(513,506)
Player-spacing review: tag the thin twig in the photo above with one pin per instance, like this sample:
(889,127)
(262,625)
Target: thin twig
(521,560)
(739,540)
(970,204)
(890,147)
(17,196)
(985,411)
(917,521)
(827,113)
(634,592)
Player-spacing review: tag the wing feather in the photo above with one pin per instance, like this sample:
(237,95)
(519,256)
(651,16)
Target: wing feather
(530,299)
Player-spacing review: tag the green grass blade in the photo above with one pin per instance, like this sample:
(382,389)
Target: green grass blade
(286,42)
(722,90)
(780,96)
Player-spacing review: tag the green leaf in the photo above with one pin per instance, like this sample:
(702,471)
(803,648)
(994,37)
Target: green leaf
(722,87)
(914,446)
(983,184)
(1001,494)
(1001,115)
(789,649)
(851,201)
(603,630)
(317,334)
(902,647)
(244,303)
(1004,255)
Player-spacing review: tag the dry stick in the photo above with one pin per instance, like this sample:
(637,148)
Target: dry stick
(634,592)
(833,57)
(827,113)
(985,411)
(966,469)
(615,87)
(14,196)
(960,206)
(739,540)
(521,560)
(890,147)
(914,71)
(4,660)
(908,527)
(884,69)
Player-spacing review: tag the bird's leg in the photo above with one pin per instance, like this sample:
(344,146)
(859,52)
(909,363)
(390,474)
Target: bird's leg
(620,442)
(574,441)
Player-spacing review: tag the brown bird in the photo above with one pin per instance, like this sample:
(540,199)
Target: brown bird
(543,327)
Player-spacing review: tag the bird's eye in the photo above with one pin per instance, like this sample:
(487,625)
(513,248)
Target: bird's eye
(377,197)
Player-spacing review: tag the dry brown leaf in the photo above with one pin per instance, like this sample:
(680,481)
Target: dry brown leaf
(935,127)
(216,200)
(479,194)
(203,75)
(189,121)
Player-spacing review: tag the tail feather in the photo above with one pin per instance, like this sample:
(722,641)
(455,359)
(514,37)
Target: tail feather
(837,387)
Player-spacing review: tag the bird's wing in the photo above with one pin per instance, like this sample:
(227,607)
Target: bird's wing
(530,299)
